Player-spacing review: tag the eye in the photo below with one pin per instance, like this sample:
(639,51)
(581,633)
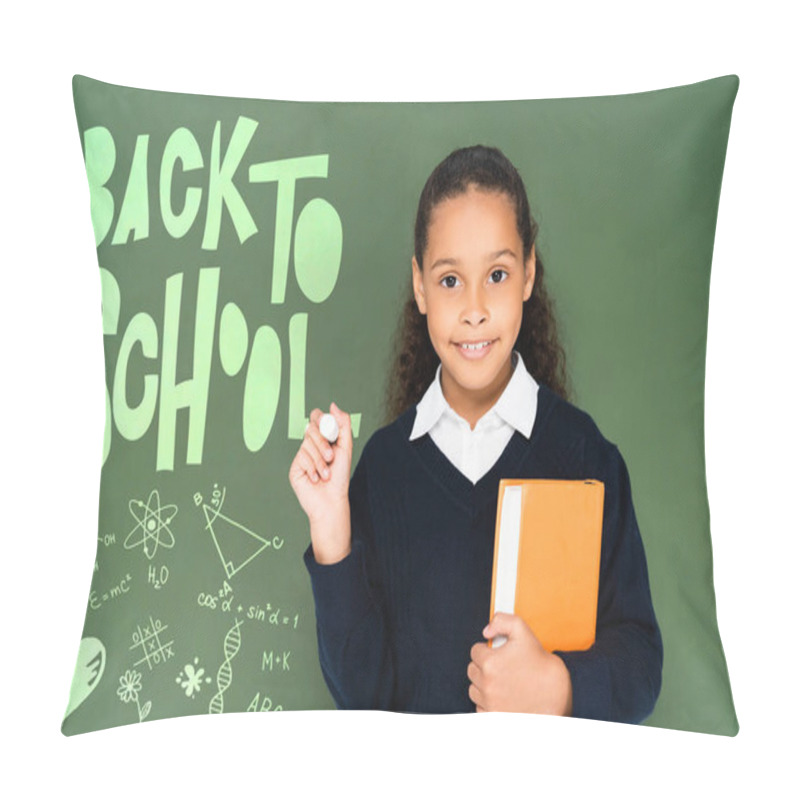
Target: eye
(499,271)
(447,278)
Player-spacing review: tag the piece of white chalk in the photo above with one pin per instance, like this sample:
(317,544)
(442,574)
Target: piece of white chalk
(329,428)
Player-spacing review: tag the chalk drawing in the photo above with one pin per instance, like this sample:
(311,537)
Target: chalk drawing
(257,704)
(122,587)
(153,650)
(152,525)
(275,660)
(130,684)
(157,578)
(236,545)
(89,670)
(230,647)
(191,678)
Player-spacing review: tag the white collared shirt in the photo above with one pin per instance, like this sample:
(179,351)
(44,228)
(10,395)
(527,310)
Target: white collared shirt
(474,452)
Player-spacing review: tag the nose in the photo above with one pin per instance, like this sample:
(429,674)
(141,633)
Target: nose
(475,309)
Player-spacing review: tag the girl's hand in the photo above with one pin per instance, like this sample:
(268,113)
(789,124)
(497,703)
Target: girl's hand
(320,472)
(520,675)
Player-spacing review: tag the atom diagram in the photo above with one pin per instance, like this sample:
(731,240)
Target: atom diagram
(152,521)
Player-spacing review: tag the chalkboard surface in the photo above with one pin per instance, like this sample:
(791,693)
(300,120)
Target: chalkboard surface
(253,258)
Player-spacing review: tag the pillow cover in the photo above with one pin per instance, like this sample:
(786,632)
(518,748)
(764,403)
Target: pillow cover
(252,253)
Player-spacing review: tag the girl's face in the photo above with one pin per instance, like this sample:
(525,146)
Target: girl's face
(472,290)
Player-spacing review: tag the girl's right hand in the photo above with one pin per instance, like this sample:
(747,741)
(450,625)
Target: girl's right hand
(323,496)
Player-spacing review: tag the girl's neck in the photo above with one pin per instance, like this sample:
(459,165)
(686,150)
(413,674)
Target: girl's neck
(471,404)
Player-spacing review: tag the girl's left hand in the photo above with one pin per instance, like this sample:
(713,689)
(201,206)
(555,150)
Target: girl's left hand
(520,675)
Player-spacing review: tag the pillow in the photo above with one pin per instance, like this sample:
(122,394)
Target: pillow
(254,255)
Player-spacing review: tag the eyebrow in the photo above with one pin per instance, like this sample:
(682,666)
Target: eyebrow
(454,262)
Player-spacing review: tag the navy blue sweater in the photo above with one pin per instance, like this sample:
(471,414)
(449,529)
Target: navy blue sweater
(397,617)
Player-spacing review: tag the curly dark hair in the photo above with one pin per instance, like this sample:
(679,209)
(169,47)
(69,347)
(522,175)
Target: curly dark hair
(414,360)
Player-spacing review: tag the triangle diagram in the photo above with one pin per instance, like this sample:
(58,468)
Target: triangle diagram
(236,545)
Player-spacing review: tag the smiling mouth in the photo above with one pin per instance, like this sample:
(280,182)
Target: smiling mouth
(472,347)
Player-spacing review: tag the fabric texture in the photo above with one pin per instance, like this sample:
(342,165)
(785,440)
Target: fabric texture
(398,615)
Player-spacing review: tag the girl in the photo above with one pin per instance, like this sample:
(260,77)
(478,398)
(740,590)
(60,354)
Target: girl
(401,555)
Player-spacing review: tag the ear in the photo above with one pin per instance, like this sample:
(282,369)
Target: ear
(530,274)
(419,289)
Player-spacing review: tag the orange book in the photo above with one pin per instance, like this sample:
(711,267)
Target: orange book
(547,558)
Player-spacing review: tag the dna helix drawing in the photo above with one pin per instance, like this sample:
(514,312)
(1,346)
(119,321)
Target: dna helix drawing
(230,647)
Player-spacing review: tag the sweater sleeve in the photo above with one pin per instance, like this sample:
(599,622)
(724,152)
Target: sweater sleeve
(619,677)
(355,651)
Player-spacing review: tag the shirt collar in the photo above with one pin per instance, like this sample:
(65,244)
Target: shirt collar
(516,405)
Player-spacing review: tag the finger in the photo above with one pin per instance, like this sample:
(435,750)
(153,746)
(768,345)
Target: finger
(476,695)
(317,461)
(306,465)
(315,434)
(303,466)
(474,673)
(319,464)
(342,418)
(479,653)
(503,624)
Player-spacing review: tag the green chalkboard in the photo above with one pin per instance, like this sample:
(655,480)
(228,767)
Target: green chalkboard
(253,258)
